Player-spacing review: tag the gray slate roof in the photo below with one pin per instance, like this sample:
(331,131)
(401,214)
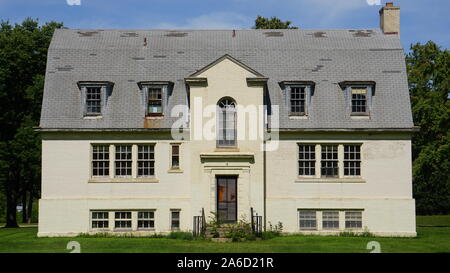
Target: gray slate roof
(326,57)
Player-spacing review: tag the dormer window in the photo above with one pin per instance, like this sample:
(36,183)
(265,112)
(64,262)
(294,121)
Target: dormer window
(154,97)
(93,100)
(359,100)
(154,102)
(298,96)
(94,97)
(359,97)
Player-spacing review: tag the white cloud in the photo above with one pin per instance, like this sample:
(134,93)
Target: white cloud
(215,20)
(73,2)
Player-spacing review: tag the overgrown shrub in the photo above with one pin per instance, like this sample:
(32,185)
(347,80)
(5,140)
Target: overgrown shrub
(181,235)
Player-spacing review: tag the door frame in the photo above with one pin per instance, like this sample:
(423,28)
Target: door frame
(236,191)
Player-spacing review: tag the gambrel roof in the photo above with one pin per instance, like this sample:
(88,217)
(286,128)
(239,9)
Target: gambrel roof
(127,57)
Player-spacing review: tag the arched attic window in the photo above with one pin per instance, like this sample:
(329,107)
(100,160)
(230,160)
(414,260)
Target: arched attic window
(226,122)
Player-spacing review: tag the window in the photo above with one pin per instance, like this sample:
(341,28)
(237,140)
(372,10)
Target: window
(100,160)
(175,219)
(175,163)
(122,220)
(93,100)
(329,161)
(99,219)
(353,219)
(352,160)
(154,103)
(123,160)
(226,123)
(146,160)
(307,160)
(330,219)
(146,220)
(359,100)
(307,219)
(298,101)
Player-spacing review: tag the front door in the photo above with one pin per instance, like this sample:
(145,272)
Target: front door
(227,198)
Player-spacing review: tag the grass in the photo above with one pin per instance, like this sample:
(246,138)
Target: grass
(429,239)
(433,221)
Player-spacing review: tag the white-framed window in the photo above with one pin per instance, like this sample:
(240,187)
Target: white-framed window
(358,100)
(307,159)
(329,161)
(298,100)
(123,161)
(175,156)
(155,101)
(122,220)
(330,219)
(93,100)
(226,123)
(100,160)
(175,219)
(146,160)
(353,219)
(308,219)
(99,220)
(146,220)
(352,160)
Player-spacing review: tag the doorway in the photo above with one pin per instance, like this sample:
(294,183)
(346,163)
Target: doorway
(227,198)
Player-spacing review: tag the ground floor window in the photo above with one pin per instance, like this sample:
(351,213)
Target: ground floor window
(122,220)
(330,219)
(308,219)
(146,220)
(99,220)
(353,219)
(175,219)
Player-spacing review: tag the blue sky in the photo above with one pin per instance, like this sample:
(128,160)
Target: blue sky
(421,21)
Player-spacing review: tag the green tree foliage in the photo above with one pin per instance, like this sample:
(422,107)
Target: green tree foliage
(23,57)
(429,83)
(272,23)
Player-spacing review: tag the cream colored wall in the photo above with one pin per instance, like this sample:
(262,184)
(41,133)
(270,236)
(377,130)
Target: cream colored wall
(226,79)
(384,191)
(68,194)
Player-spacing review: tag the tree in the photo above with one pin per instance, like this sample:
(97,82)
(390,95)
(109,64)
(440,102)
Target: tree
(23,57)
(272,23)
(429,84)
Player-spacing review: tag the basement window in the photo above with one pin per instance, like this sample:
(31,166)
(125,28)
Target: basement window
(99,219)
(330,219)
(353,219)
(122,220)
(146,220)
(308,220)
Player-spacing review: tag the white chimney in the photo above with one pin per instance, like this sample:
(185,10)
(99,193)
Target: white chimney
(390,19)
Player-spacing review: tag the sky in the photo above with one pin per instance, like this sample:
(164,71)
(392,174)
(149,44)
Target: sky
(421,20)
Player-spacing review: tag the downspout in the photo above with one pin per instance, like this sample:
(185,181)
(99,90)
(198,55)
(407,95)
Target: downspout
(264,181)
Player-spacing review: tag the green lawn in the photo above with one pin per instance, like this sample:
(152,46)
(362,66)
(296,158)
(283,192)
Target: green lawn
(429,239)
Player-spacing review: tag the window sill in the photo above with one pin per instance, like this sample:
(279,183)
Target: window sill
(155,116)
(329,180)
(298,116)
(175,170)
(124,180)
(93,117)
(225,149)
(360,116)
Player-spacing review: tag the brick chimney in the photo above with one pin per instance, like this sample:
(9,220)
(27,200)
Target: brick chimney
(390,19)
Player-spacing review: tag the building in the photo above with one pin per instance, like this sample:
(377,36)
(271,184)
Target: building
(142,129)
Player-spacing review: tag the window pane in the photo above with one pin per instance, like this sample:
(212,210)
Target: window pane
(146,160)
(226,119)
(154,104)
(359,100)
(352,160)
(353,219)
(307,160)
(175,156)
(298,100)
(330,219)
(93,100)
(307,219)
(100,160)
(123,160)
(329,161)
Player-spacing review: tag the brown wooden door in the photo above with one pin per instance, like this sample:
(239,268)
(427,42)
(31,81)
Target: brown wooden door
(227,198)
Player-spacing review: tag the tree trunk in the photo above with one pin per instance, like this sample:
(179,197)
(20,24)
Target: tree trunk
(24,207)
(30,208)
(11,208)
